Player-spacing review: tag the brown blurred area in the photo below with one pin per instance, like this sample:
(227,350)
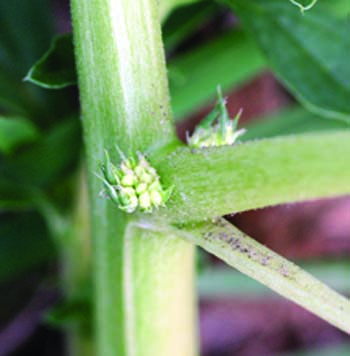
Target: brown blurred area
(302,230)
(264,327)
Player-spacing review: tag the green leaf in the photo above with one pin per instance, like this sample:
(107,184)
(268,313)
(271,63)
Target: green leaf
(229,60)
(48,160)
(339,7)
(186,20)
(189,88)
(14,196)
(14,132)
(221,180)
(56,69)
(24,243)
(309,52)
(26,29)
(46,163)
(166,6)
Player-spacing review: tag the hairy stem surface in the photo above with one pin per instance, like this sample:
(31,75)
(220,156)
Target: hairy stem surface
(245,254)
(221,180)
(141,285)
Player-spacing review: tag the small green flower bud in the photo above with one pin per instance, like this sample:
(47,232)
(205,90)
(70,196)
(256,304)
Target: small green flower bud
(139,170)
(134,201)
(209,134)
(135,184)
(128,200)
(128,193)
(128,180)
(146,178)
(155,185)
(141,188)
(152,171)
(156,198)
(145,201)
(142,161)
(125,167)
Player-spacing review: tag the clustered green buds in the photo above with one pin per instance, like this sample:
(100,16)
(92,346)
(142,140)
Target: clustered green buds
(134,185)
(217,129)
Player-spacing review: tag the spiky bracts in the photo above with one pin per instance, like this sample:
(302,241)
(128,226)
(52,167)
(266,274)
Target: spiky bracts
(217,129)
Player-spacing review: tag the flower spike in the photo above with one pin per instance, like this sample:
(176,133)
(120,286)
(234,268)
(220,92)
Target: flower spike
(133,185)
(217,129)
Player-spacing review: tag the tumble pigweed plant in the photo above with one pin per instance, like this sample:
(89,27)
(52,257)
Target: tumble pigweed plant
(143,265)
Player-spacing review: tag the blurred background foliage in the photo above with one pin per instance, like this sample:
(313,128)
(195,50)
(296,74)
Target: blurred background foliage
(288,72)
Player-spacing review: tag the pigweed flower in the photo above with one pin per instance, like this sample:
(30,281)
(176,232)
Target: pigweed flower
(217,129)
(134,185)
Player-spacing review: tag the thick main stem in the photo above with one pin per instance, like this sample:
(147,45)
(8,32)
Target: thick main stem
(143,282)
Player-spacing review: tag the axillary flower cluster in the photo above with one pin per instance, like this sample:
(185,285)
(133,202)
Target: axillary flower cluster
(217,129)
(134,185)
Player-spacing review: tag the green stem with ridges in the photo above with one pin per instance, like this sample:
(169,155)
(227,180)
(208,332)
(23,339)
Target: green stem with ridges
(124,95)
(159,304)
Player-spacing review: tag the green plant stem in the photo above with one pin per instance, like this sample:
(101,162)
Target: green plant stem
(258,262)
(242,252)
(142,282)
(222,180)
(76,267)
(159,302)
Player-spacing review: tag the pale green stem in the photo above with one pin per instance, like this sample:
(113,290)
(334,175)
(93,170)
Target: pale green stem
(76,267)
(125,102)
(221,180)
(159,305)
(245,254)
